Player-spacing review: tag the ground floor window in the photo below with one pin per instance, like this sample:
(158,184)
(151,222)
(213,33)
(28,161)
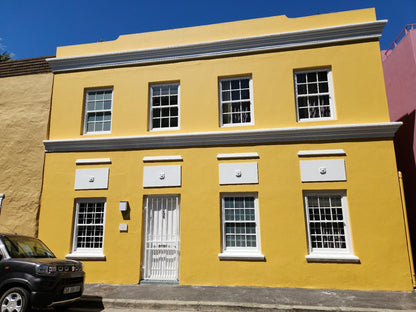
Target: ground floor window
(328,226)
(88,236)
(240,226)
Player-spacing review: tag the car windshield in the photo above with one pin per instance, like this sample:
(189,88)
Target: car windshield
(26,247)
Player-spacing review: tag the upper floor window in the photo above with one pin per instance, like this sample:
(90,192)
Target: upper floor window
(314,95)
(98,107)
(236,103)
(164,106)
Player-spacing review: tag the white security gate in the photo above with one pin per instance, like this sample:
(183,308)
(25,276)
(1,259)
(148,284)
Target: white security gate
(161,242)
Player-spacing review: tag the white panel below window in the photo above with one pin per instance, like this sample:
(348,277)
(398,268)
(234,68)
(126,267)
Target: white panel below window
(239,173)
(91,179)
(162,176)
(322,170)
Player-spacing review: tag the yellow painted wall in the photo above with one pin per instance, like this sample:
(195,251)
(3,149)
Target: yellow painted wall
(215,32)
(377,227)
(359,97)
(373,203)
(24,107)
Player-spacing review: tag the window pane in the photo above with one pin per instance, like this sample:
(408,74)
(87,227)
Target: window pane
(240,224)
(235,84)
(174,122)
(233,91)
(225,85)
(326,226)
(107,104)
(302,89)
(312,89)
(301,78)
(167,96)
(165,122)
(235,95)
(245,83)
(100,101)
(156,123)
(311,77)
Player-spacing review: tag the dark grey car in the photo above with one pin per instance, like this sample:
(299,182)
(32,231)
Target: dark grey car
(31,275)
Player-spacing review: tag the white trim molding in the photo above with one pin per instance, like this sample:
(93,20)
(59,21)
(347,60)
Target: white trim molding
(238,156)
(221,138)
(241,256)
(246,45)
(95,161)
(334,152)
(85,256)
(332,258)
(162,158)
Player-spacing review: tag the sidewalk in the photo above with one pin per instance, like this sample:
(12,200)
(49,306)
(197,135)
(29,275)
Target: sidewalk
(219,298)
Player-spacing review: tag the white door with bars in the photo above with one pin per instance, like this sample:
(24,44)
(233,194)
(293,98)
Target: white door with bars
(161,241)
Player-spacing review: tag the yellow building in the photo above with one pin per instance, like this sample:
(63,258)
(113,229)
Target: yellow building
(255,153)
(25,98)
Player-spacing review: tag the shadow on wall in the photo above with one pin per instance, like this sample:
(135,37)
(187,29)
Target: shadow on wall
(403,144)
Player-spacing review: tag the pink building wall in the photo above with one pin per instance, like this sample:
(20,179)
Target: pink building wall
(399,65)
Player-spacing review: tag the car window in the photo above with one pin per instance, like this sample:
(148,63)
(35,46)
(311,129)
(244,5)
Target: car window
(26,247)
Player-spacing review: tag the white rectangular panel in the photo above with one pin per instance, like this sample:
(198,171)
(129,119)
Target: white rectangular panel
(239,173)
(162,176)
(322,170)
(91,179)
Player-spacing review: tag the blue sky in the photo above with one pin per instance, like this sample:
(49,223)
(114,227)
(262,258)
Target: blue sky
(30,28)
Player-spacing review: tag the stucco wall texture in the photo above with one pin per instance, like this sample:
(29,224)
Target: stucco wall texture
(24,107)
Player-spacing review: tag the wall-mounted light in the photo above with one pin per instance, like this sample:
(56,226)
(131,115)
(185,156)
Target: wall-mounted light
(124,205)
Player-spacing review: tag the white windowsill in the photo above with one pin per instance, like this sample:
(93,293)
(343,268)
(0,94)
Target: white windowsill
(86,256)
(240,256)
(332,258)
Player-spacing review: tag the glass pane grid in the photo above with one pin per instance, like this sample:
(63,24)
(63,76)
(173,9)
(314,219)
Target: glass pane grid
(312,95)
(165,106)
(326,222)
(98,111)
(239,222)
(90,225)
(235,101)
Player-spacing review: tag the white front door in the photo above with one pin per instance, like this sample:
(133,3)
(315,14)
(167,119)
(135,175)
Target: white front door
(161,241)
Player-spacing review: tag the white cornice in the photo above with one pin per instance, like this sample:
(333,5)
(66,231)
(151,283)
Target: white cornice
(262,43)
(162,158)
(95,161)
(221,138)
(335,152)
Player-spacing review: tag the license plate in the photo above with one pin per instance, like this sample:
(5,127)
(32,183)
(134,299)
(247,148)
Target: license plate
(72,289)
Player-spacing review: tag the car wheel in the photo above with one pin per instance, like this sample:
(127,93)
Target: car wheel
(15,299)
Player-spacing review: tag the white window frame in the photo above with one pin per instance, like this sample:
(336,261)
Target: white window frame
(86,253)
(87,112)
(329,254)
(330,93)
(221,102)
(151,107)
(240,253)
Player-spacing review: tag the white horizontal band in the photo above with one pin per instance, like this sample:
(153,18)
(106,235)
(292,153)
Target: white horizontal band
(162,158)
(241,256)
(237,46)
(237,155)
(93,161)
(220,138)
(334,152)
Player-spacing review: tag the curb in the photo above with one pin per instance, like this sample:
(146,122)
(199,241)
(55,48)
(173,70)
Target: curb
(205,306)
